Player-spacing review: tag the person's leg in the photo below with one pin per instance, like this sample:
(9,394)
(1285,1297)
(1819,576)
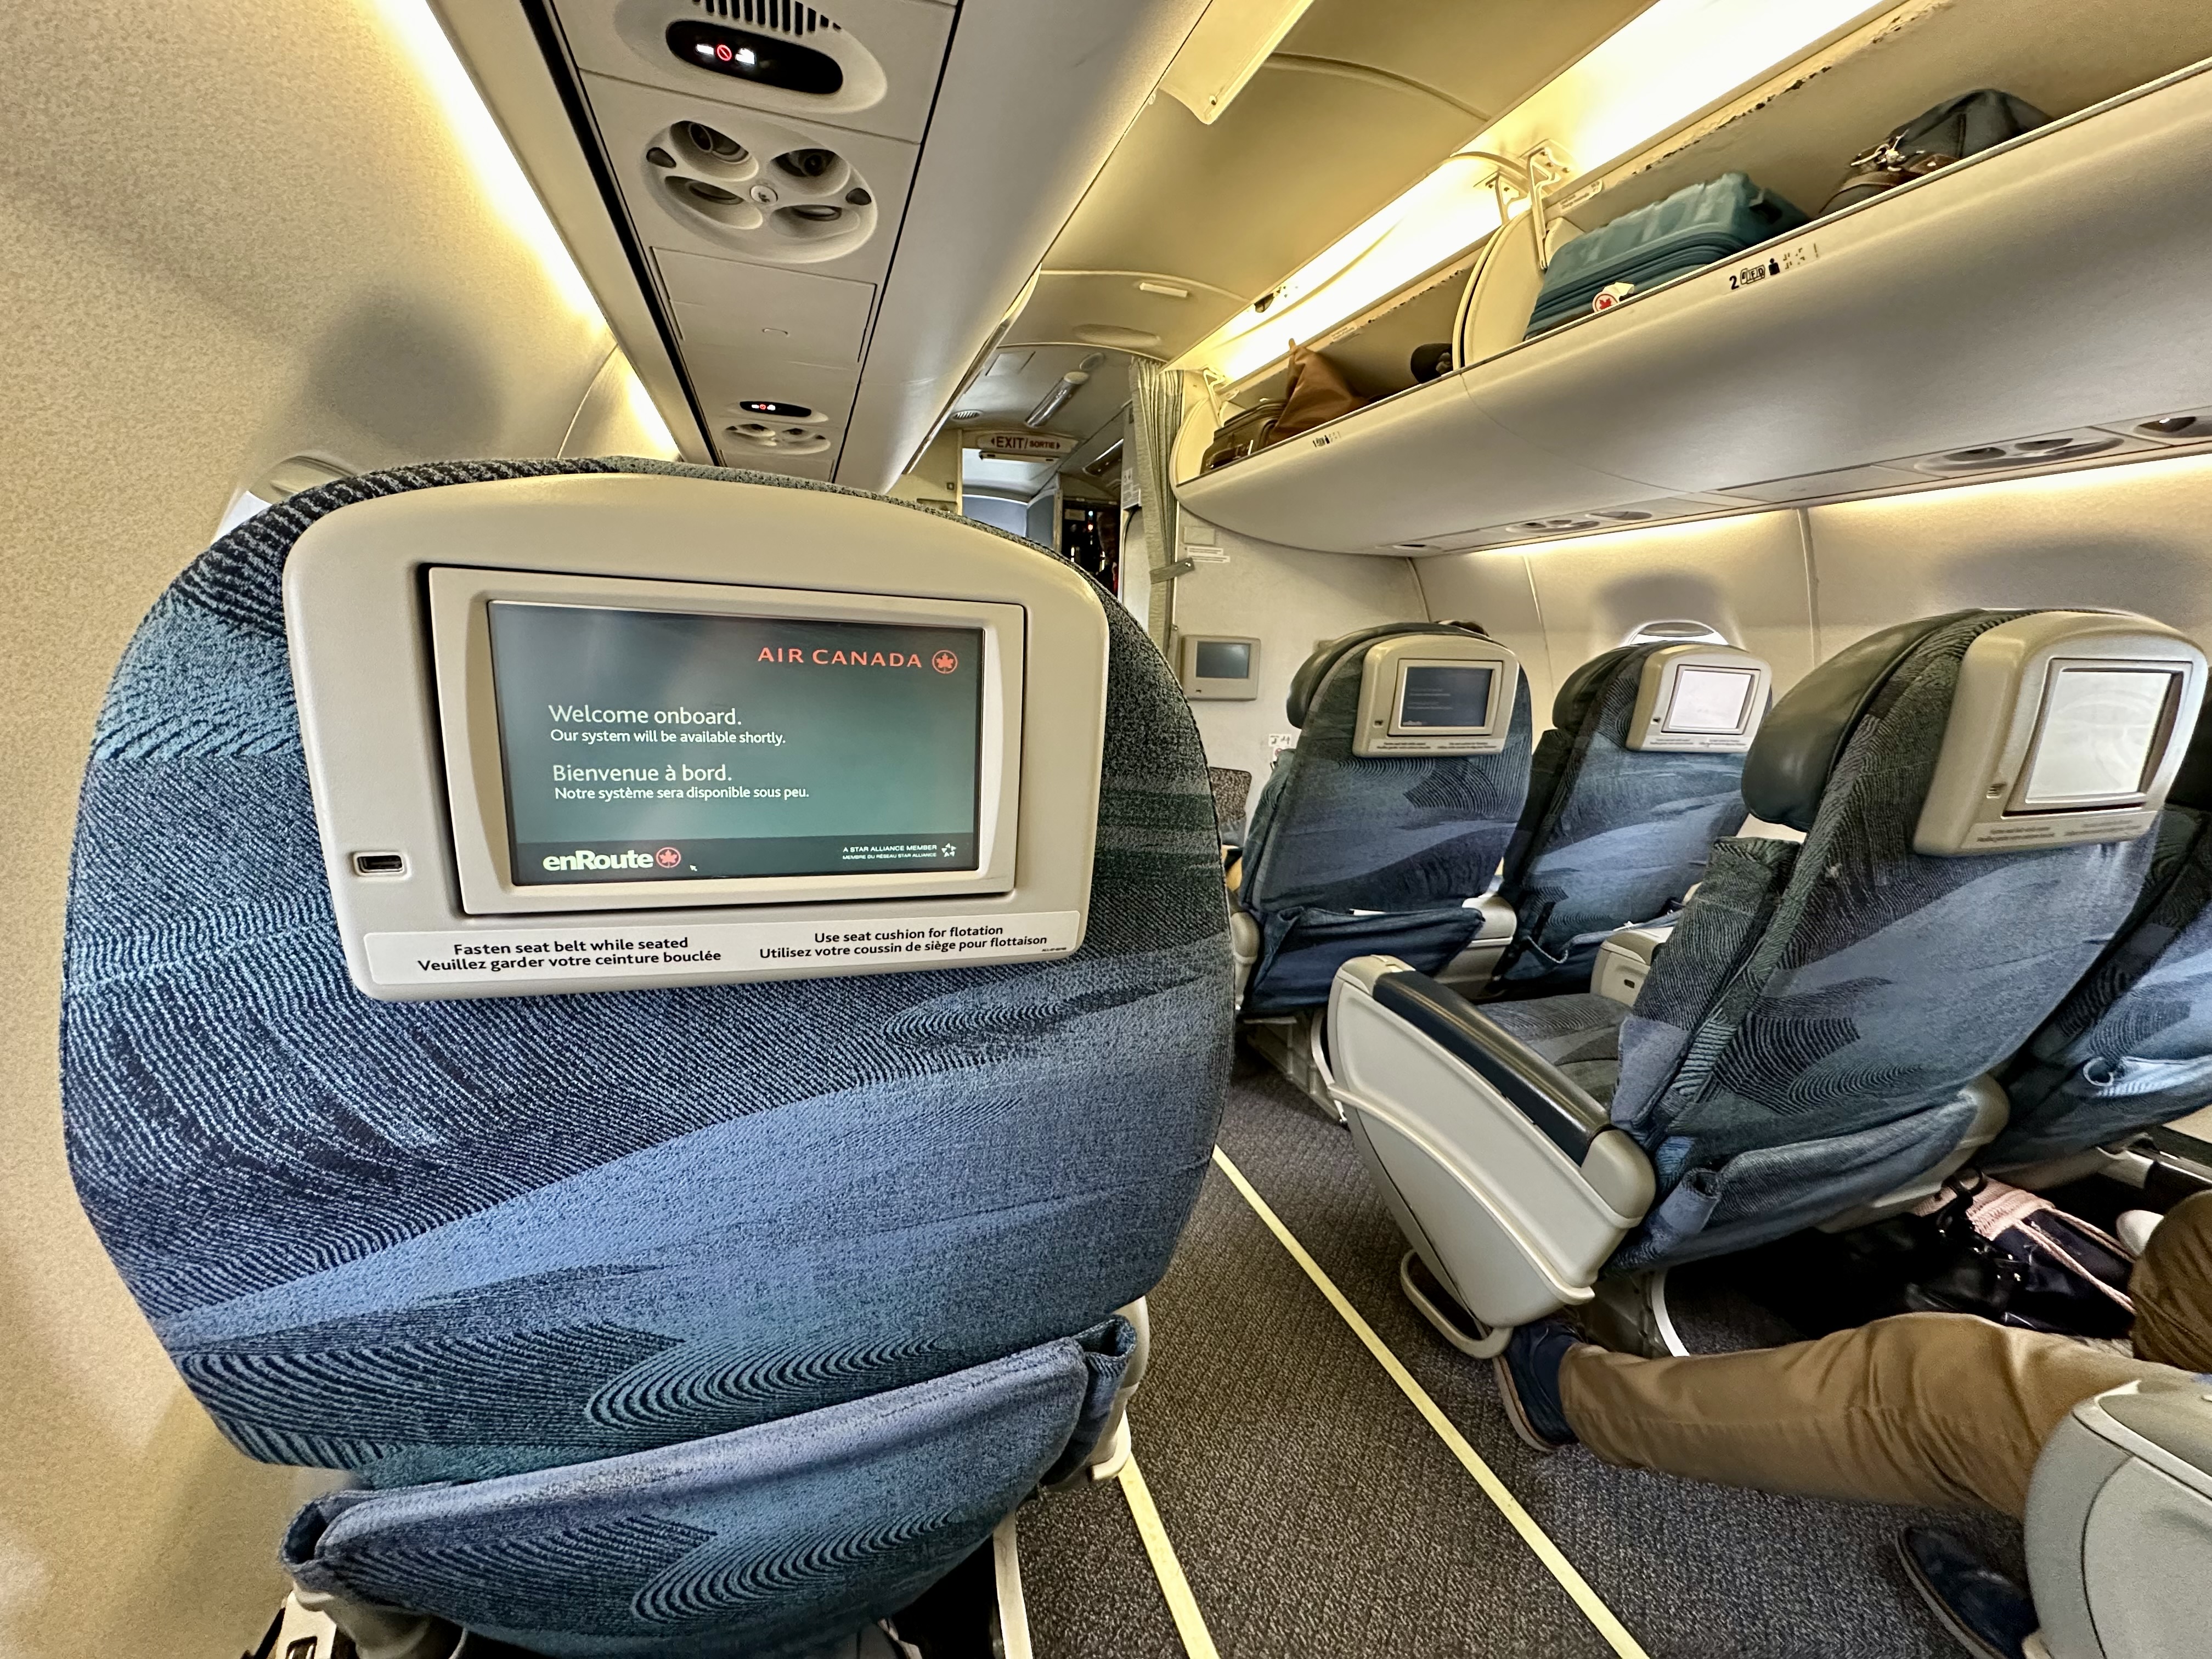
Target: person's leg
(1941,1409)
(2172,1288)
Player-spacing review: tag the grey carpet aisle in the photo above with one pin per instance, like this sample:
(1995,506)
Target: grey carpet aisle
(1316,1513)
(1313,1511)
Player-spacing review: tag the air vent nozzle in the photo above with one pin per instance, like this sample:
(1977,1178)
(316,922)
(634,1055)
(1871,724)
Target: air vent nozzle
(2019,452)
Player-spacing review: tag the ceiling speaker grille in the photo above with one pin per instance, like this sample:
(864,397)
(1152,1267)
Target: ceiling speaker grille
(783,17)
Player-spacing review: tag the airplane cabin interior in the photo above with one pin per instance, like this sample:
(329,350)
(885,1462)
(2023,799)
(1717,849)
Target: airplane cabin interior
(1108,829)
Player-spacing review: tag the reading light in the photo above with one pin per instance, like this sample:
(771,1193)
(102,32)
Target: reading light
(1658,71)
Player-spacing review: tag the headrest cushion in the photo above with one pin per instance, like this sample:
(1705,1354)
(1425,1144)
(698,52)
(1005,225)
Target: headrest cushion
(1584,690)
(1787,768)
(2192,784)
(1312,672)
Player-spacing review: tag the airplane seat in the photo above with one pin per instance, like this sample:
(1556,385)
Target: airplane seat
(1639,775)
(2119,1512)
(1974,791)
(1386,823)
(2130,1048)
(696,1317)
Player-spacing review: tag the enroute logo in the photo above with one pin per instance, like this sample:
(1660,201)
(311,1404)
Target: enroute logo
(583,859)
(668,857)
(944,662)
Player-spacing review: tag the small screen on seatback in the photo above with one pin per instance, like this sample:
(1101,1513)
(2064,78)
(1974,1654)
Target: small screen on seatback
(2100,738)
(1709,699)
(655,745)
(1449,698)
(1222,659)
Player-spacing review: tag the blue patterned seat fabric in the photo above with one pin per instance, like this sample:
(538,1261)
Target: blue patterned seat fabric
(1611,837)
(1801,1044)
(788,1291)
(2131,1047)
(1334,833)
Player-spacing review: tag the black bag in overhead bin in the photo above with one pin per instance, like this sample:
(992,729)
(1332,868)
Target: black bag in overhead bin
(1965,126)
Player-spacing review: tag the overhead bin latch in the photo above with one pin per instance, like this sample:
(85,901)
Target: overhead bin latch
(1530,176)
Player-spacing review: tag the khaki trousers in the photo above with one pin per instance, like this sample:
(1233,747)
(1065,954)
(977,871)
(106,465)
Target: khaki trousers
(1939,1409)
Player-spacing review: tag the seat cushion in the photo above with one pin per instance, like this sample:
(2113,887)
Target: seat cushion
(1580,1034)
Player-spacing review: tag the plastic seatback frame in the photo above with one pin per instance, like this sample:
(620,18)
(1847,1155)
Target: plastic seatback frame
(1508,1180)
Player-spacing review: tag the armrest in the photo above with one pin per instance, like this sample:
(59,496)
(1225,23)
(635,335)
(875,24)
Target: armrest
(1624,960)
(1542,1093)
(1472,968)
(2119,1512)
(1244,945)
(1507,1179)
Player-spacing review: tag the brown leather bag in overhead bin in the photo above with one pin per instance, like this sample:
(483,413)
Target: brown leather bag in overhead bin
(1316,395)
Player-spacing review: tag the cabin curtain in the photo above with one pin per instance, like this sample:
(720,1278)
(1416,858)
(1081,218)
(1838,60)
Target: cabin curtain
(1156,417)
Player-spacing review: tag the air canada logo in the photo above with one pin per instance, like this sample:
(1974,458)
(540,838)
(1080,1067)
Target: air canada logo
(668,858)
(944,662)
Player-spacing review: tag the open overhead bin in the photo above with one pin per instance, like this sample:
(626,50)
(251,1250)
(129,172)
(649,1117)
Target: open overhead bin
(2038,305)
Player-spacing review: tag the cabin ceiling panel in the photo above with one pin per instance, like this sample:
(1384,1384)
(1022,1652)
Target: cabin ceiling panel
(1017,380)
(1109,308)
(1308,149)
(795,315)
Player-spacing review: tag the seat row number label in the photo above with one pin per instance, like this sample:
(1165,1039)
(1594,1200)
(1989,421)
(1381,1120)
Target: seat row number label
(1780,263)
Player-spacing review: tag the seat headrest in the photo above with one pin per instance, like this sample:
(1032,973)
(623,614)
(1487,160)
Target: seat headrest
(1315,669)
(2192,783)
(1786,771)
(2064,727)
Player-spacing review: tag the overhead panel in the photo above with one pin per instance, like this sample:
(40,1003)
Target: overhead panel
(762,151)
(866,66)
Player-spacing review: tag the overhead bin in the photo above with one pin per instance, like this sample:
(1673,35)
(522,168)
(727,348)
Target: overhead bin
(2037,305)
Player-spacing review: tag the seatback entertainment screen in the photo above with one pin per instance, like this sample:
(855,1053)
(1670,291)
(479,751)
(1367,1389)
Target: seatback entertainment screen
(1711,699)
(642,745)
(2100,735)
(1446,697)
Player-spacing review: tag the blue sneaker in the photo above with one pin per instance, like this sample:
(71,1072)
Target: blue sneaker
(1988,1615)
(1528,1382)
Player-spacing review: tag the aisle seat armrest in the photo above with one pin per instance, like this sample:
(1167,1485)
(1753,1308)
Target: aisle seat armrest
(1521,1185)
(1244,946)
(1471,971)
(1624,960)
(1543,1094)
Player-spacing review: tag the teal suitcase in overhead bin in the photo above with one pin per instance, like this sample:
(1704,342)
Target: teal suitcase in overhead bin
(1690,229)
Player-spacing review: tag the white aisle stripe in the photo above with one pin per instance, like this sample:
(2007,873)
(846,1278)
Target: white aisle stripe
(1183,1606)
(1614,1632)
